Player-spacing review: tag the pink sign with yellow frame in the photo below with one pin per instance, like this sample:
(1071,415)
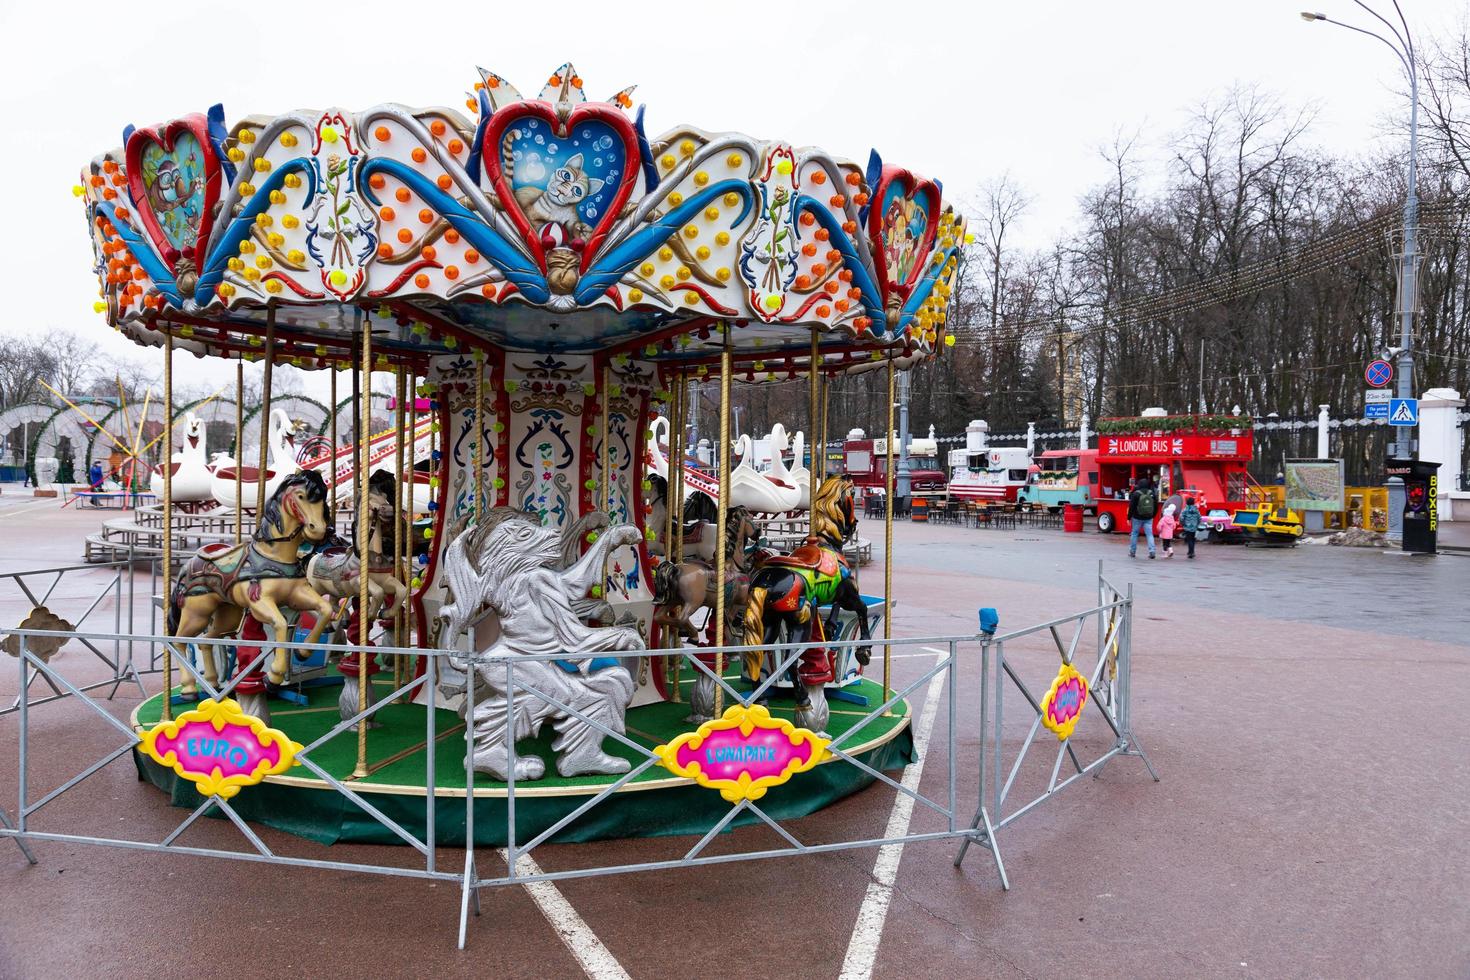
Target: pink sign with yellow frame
(743,753)
(219,748)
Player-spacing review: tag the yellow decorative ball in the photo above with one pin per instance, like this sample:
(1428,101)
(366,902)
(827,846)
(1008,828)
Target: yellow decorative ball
(646,269)
(723,238)
(667,161)
(687,148)
(288,139)
(734,160)
(691,231)
(666,253)
(701,178)
(702,252)
(676,199)
(784,167)
(722,274)
(635,295)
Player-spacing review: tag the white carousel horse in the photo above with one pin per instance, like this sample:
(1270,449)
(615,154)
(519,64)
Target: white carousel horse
(763,493)
(191,476)
(282,433)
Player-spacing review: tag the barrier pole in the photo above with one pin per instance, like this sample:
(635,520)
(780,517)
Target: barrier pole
(888,542)
(479,481)
(724,512)
(365,414)
(826,404)
(168,532)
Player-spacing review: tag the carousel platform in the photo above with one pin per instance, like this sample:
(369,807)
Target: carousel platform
(653,805)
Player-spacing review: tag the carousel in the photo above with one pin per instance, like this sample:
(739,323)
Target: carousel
(545,284)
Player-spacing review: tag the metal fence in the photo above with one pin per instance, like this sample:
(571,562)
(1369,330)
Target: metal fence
(998,677)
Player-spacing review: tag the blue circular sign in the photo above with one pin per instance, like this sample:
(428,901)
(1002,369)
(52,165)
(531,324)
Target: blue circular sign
(1378,373)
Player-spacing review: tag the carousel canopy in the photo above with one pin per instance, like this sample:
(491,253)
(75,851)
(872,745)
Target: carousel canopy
(549,224)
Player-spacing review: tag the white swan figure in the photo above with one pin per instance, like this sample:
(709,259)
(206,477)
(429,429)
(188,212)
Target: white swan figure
(799,474)
(281,434)
(191,477)
(764,493)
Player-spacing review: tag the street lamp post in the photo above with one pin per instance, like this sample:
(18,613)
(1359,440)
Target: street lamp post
(1404,442)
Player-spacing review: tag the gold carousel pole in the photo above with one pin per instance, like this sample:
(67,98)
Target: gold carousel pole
(404,529)
(813,414)
(265,407)
(363,443)
(239,441)
(888,541)
(168,521)
(724,511)
(605,505)
(398,566)
(822,445)
(332,475)
(674,505)
(480,456)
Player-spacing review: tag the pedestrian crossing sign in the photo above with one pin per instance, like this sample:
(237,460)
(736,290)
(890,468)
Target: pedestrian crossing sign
(1403,411)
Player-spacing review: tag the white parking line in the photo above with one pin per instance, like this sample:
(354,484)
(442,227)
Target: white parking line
(594,958)
(862,949)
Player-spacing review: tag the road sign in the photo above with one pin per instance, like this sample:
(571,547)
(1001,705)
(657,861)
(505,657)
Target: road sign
(1375,403)
(1403,411)
(1378,373)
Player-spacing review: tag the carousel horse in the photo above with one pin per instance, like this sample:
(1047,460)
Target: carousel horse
(679,590)
(516,567)
(221,582)
(700,515)
(787,592)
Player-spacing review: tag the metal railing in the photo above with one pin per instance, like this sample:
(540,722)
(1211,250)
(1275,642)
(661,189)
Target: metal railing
(1001,661)
(33,585)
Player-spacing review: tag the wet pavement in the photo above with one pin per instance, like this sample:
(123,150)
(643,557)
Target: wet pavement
(1304,708)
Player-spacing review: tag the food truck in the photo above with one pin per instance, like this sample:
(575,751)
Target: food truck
(982,472)
(1204,456)
(1061,477)
(864,460)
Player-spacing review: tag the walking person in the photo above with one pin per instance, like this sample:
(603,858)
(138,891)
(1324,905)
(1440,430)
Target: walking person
(1142,505)
(94,477)
(1189,524)
(1167,524)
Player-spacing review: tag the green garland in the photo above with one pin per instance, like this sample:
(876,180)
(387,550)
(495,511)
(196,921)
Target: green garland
(1175,423)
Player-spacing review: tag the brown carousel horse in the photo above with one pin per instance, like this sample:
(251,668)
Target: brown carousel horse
(221,582)
(679,590)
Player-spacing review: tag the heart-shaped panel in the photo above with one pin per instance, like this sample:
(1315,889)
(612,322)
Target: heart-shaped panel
(565,181)
(901,228)
(174,179)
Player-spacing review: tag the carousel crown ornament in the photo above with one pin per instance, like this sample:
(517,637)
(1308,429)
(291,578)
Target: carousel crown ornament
(554,203)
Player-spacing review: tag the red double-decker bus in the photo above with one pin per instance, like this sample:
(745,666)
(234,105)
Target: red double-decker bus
(1203,456)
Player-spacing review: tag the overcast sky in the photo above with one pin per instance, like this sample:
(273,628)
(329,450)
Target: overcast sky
(959,92)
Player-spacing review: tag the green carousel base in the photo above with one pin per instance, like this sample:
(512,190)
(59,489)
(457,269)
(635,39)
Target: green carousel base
(654,804)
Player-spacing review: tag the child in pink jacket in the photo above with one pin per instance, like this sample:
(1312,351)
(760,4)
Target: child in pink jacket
(1167,525)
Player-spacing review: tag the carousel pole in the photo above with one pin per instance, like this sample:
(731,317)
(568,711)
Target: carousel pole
(332,475)
(404,529)
(479,482)
(168,523)
(813,414)
(724,511)
(365,403)
(239,441)
(398,565)
(674,503)
(606,470)
(826,383)
(888,541)
(265,408)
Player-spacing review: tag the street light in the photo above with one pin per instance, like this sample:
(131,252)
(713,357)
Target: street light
(1403,447)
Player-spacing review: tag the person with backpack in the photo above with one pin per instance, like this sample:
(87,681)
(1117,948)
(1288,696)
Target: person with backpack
(1142,504)
(1189,524)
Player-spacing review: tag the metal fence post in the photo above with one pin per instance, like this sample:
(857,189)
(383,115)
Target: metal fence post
(431,804)
(510,766)
(950,680)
